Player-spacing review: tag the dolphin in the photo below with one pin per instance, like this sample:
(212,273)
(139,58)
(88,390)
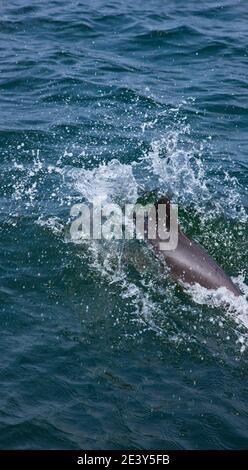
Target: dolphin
(189,262)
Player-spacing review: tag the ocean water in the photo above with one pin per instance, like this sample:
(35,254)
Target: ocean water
(100,348)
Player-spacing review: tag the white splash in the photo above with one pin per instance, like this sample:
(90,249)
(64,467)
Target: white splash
(112,182)
(174,165)
(234,308)
(52,223)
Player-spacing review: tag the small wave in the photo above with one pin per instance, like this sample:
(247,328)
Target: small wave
(129,95)
(213,48)
(179,32)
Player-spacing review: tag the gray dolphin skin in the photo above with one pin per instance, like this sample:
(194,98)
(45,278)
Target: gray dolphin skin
(191,264)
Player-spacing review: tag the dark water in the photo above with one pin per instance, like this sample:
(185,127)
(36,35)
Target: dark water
(116,98)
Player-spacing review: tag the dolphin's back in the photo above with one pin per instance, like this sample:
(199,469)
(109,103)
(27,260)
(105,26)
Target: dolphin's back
(191,264)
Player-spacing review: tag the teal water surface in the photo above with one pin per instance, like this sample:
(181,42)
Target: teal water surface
(99,348)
